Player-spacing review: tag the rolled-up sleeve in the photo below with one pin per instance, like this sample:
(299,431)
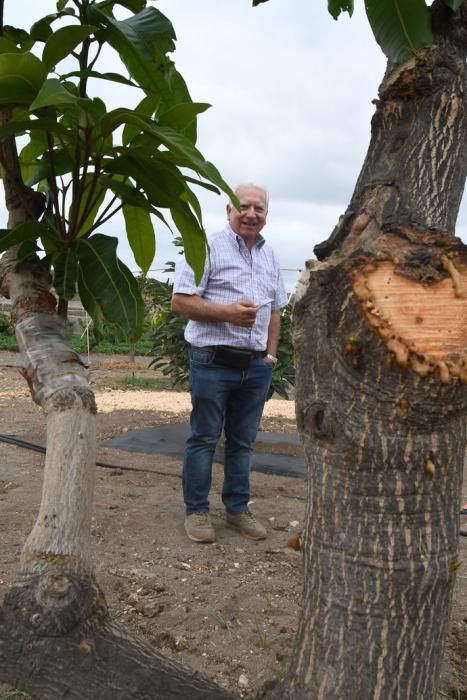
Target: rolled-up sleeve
(281,298)
(184,280)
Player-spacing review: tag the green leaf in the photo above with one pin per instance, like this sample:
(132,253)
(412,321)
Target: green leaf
(62,164)
(66,274)
(161,186)
(112,77)
(400,27)
(454,4)
(146,108)
(107,288)
(182,117)
(89,204)
(335,7)
(30,232)
(142,42)
(140,233)
(21,76)
(7,46)
(25,250)
(18,127)
(52,93)
(28,157)
(62,42)
(19,37)
(194,238)
(126,193)
(174,141)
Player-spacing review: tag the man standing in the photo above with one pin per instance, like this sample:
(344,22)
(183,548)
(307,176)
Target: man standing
(233,331)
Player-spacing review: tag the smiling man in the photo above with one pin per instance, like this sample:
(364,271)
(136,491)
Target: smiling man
(233,331)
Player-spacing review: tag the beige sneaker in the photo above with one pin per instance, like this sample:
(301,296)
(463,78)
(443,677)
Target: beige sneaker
(247,525)
(198,527)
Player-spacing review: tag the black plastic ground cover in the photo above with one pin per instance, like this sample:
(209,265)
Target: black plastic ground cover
(170,440)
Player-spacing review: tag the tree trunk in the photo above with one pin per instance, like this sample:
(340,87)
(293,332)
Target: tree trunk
(55,638)
(380,331)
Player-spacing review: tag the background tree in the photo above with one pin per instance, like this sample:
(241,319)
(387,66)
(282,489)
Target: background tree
(380,335)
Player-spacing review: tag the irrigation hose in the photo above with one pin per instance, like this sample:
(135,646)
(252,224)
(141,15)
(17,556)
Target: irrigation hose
(12,440)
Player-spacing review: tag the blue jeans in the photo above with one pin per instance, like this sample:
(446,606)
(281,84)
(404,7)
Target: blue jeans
(233,399)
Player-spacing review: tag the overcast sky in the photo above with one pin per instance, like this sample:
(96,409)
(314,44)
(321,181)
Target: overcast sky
(291,93)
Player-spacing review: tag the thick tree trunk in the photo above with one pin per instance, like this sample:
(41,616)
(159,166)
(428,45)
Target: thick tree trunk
(380,331)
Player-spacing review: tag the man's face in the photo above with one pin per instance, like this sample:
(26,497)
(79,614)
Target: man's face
(251,218)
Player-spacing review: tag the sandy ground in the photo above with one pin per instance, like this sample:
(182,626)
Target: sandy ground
(227,609)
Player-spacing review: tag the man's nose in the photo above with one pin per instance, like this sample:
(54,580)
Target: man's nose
(250,211)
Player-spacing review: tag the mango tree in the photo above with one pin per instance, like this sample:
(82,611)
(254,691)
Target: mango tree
(380,332)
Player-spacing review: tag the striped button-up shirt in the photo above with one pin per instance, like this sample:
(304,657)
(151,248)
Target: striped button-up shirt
(233,274)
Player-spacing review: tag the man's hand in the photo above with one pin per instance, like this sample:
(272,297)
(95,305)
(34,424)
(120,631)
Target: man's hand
(242,313)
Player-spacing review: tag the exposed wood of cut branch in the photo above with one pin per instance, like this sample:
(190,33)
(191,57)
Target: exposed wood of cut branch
(425,326)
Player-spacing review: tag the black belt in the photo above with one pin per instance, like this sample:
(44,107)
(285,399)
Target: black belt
(255,354)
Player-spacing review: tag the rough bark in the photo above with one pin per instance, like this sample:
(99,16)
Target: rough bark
(380,330)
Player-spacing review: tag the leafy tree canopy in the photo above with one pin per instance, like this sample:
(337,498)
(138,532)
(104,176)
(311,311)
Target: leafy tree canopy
(90,161)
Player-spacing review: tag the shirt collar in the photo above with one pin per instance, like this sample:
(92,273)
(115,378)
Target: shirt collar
(260,240)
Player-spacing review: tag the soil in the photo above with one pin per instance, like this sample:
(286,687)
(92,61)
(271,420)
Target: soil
(227,609)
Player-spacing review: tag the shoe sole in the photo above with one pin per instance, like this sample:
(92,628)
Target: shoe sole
(242,532)
(200,539)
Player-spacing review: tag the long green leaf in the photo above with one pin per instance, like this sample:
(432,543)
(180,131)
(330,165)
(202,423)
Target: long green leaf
(194,238)
(66,274)
(140,234)
(112,77)
(51,94)
(18,127)
(335,7)
(21,76)
(145,108)
(182,117)
(62,42)
(62,164)
(174,141)
(142,42)
(36,146)
(24,232)
(400,27)
(161,187)
(130,195)
(89,204)
(110,291)
(7,46)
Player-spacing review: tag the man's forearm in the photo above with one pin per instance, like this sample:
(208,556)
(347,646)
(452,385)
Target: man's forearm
(273,332)
(240,313)
(195,308)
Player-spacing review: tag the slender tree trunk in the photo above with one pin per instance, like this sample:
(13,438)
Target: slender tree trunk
(380,330)
(55,638)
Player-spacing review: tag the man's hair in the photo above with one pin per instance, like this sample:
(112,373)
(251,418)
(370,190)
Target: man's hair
(257,187)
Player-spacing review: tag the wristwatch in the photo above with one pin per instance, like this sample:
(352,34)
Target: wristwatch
(271,358)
